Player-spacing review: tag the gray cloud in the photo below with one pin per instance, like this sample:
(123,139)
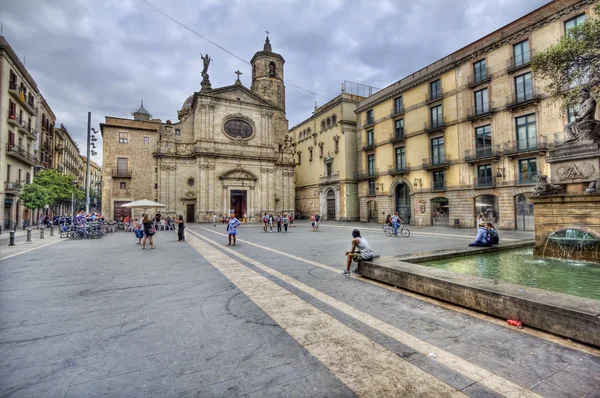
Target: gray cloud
(105,56)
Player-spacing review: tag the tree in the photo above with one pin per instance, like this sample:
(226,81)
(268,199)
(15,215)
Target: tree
(572,63)
(49,187)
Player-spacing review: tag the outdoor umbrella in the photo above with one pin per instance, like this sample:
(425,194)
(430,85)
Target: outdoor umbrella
(143,204)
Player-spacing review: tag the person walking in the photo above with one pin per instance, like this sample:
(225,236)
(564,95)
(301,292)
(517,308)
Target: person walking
(180,229)
(312,222)
(279,221)
(232,226)
(361,251)
(138,227)
(265,222)
(317,221)
(214,220)
(271,223)
(149,231)
(285,222)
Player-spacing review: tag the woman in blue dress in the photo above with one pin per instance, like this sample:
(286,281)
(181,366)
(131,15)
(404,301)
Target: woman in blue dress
(232,225)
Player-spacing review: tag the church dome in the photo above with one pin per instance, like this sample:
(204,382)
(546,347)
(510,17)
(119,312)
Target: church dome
(188,102)
(141,113)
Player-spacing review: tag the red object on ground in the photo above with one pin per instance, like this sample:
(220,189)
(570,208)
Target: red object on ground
(512,322)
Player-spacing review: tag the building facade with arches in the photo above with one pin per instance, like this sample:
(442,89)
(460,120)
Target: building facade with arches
(470,133)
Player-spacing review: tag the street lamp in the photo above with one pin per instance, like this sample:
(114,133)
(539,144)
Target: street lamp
(73,202)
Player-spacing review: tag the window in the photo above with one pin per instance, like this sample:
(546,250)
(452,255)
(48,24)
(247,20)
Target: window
(482,104)
(333,121)
(272,69)
(122,168)
(400,158)
(20,172)
(479,71)
(437,150)
(521,53)
(336,145)
(156,185)
(11,138)
(371,188)
(483,141)
(527,170)
(435,89)
(299,158)
(12,109)
(328,122)
(177,132)
(123,138)
(523,87)
(436,116)
(370,138)
(307,133)
(438,181)
(28,178)
(328,169)
(310,154)
(123,185)
(398,106)
(322,125)
(156,169)
(321,151)
(146,140)
(484,176)
(8,173)
(399,128)
(526,132)
(571,23)
(371,165)
(370,118)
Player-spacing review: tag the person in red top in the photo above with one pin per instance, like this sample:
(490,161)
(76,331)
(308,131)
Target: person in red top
(127,219)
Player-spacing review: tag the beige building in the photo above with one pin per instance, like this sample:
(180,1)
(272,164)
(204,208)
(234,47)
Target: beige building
(326,161)
(467,134)
(45,147)
(229,151)
(67,160)
(95,182)
(18,110)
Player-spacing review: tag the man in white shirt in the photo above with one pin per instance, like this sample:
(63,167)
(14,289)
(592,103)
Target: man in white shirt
(361,251)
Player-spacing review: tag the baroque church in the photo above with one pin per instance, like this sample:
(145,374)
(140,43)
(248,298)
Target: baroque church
(229,150)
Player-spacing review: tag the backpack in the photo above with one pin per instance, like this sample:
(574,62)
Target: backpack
(317,218)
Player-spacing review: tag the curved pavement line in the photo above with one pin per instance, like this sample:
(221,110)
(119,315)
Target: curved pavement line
(472,371)
(532,332)
(365,367)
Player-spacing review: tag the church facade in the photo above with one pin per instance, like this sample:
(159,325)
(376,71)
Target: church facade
(229,151)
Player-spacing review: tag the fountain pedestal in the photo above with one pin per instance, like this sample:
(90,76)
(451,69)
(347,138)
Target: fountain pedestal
(572,212)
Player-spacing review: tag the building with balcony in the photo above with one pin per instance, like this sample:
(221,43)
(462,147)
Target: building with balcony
(95,183)
(45,130)
(18,134)
(467,134)
(325,146)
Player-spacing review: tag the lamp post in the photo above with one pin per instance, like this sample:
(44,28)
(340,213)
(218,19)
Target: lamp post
(73,202)
(91,139)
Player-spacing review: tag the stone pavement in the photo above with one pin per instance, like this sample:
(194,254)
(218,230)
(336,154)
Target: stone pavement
(272,316)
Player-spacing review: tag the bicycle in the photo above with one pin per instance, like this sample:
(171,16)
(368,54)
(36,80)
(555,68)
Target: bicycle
(388,230)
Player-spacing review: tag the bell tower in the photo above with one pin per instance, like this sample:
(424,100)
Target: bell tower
(267,75)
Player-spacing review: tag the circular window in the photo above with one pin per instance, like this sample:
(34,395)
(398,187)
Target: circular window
(190,182)
(238,128)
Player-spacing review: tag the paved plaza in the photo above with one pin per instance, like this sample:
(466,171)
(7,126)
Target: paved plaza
(270,317)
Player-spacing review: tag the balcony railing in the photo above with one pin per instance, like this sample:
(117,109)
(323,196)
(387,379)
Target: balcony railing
(434,96)
(20,152)
(438,162)
(368,146)
(398,169)
(397,110)
(365,174)
(368,121)
(121,173)
(14,186)
(479,78)
(331,178)
(487,152)
(523,98)
(435,125)
(533,144)
(524,61)
(480,111)
(526,178)
(438,186)
(397,136)
(484,182)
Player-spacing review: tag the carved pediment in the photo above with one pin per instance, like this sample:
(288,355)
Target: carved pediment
(238,174)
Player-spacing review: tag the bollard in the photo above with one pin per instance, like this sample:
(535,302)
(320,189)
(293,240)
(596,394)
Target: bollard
(51,230)
(28,236)
(0,229)
(42,233)
(11,241)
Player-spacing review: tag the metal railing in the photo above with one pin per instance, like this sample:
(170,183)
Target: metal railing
(368,146)
(484,182)
(526,178)
(438,186)
(520,62)
(479,78)
(526,145)
(368,121)
(397,135)
(121,173)
(440,161)
(491,151)
(435,124)
(397,110)
(364,174)
(398,168)
(434,95)
(482,110)
(21,153)
(523,98)
(13,186)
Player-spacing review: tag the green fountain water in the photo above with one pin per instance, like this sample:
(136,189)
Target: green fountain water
(521,267)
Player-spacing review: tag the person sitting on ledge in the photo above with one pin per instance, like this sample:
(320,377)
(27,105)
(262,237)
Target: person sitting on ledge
(483,236)
(361,251)
(494,238)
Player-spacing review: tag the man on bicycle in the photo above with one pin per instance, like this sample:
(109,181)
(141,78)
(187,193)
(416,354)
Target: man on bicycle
(396,221)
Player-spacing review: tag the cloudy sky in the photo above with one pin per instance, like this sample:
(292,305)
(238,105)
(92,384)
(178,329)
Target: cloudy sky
(105,56)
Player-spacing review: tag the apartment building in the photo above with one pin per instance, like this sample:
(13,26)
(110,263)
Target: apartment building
(45,147)
(467,134)
(18,135)
(95,183)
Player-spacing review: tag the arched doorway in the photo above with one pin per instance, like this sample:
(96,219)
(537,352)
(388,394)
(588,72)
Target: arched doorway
(440,212)
(524,213)
(487,205)
(330,202)
(372,211)
(402,196)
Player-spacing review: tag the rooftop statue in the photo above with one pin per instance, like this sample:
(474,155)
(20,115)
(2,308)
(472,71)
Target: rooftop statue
(206,59)
(585,127)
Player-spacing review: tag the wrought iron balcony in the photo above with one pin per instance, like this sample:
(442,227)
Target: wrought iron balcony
(369,146)
(368,121)
(436,163)
(481,111)
(397,110)
(438,186)
(20,153)
(397,136)
(526,178)
(435,125)
(523,98)
(366,174)
(514,64)
(485,153)
(395,169)
(118,173)
(477,79)
(13,187)
(529,145)
(484,182)
(433,96)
